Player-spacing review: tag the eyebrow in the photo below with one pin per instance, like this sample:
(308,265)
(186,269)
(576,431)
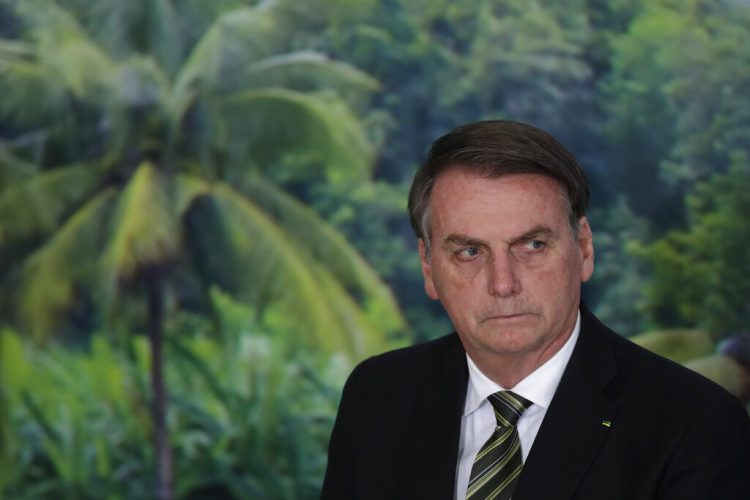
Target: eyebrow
(459,239)
(535,232)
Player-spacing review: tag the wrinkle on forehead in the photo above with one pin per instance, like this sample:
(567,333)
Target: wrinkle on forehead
(470,186)
(466,240)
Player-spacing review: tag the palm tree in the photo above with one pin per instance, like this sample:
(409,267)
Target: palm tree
(131,176)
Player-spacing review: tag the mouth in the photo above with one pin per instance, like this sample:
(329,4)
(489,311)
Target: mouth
(506,317)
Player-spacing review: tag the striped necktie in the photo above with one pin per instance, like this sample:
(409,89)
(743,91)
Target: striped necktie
(498,464)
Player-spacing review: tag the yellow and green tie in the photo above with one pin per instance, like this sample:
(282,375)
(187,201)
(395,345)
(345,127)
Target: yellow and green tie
(498,464)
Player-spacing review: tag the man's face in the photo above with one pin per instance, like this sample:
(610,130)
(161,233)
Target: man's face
(504,263)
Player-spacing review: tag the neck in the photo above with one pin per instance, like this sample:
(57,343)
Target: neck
(508,369)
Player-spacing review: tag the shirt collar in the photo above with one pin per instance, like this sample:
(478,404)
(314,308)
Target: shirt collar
(538,387)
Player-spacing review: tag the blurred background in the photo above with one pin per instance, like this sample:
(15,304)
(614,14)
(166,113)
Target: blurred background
(203,212)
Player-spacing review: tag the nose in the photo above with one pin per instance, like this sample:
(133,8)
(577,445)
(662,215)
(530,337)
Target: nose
(503,276)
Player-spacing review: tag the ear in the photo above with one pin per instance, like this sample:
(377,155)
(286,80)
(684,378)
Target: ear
(429,285)
(586,245)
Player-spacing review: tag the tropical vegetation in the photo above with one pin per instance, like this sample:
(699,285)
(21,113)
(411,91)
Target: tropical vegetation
(202,211)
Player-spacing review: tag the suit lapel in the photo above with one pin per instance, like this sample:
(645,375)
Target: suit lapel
(437,427)
(575,425)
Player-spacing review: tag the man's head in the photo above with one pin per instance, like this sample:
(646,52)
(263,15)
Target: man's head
(498,208)
(492,149)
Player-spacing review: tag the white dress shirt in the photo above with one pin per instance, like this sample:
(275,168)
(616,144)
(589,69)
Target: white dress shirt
(478,422)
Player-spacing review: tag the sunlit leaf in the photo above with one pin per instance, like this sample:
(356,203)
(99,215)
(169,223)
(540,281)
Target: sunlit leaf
(266,123)
(282,278)
(69,256)
(37,204)
(328,247)
(145,229)
(307,69)
(76,61)
(233,40)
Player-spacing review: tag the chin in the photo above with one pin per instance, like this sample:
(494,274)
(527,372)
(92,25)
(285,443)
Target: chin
(508,342)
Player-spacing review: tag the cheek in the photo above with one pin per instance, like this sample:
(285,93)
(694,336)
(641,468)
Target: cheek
(556,282)
(544,286)
(456,289)
(462,282)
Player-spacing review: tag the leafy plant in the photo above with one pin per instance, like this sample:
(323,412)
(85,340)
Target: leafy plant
(249,417)
(169,139)
(700,274)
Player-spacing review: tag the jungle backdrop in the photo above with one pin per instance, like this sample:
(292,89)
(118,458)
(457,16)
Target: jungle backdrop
(203,223)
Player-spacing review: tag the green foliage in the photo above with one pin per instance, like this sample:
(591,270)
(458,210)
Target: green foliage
(41,200)
(373,216)
(49,274)
(75,422)
(145,226)
(677,100)
(311,276)
(371,211)
(324,131)
(176,138)
(700,276)
(616,288)
(191,138)
(537,52)
(166,130)
(249,419)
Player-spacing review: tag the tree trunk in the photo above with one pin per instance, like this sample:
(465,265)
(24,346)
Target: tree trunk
(158,387)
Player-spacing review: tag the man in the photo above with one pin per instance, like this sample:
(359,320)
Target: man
(532,396)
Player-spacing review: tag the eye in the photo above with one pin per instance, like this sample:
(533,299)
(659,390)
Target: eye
(535,245)
(467,253)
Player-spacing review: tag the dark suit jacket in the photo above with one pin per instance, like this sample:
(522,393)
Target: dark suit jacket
(673,433)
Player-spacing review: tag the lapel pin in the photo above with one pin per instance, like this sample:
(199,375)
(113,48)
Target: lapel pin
(607,423)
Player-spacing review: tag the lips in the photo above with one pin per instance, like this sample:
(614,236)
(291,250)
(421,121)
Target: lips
(506,317)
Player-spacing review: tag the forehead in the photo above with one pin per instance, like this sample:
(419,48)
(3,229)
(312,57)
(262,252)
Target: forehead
(462,201)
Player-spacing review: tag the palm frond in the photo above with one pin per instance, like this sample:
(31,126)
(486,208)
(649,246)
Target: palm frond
(234,40)
(29,93)
(38,14)
(328,247)
(37,204)
(146,26)
(135,109)
(13,50)
(65,51)
(49,274)
(13,168)
(187,188)
(166,43)
(277,273)
(144,229)
(200,70)
(83,68)
(266,125)
(367,334)
(140,82)
(307,69)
